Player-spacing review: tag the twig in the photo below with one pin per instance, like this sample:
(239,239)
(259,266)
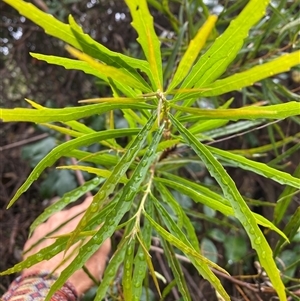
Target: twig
(23,142)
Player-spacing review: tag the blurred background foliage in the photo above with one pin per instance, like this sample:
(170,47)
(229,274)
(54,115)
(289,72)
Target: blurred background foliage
(108,21)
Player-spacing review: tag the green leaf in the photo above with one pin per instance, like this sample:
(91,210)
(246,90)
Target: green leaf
(176,268)
(97,158)
(114,73)
(247,78)
(291,228)
(279,111)
(73,35)
(190,55)
(143,24)
(117,173)
(67,199)
(241,210)
(97,171)
(70,64)
(128,267)
(124,202)
(193,255)
(286,197)
(224,50)
(256,167)
(205,196)
(44,254)
(64,149)
(140,262)
(65,114)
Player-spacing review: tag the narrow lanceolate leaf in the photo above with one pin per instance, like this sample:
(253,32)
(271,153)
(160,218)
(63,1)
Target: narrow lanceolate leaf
(241,210)
(73,35)
(224,50)
(115,177)
(191,253)
(140,262)
(285,198)
(113,218)
(205,196)
(249,77)
(257,167)
(176,231)
(189,57)
(65,114)
(279,111)
(67,198)
(127,280)
(142,21)
(182,220)
(93,170)
(111,270)
(43,254)
(109,71)
(65,148)
(70,64)
(176,269)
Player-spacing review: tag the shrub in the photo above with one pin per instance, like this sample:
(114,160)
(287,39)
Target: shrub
(139,186)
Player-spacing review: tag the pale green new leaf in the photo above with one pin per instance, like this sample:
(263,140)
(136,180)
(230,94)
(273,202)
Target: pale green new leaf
(191,253)
(124,203)
(64,149)
(280,111)
(257,167)
(66,199)
(62,130)
(190,55)
(257,73)
(142,21)
(224,50)
(241,210)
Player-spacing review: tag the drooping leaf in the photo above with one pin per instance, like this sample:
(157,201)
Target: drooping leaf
(65,148)
(123,204)
(67,199)
(205,196)
(117,173)
(239,206)
(192,254)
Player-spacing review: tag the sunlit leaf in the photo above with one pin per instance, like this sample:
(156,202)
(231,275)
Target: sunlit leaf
(143,24)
